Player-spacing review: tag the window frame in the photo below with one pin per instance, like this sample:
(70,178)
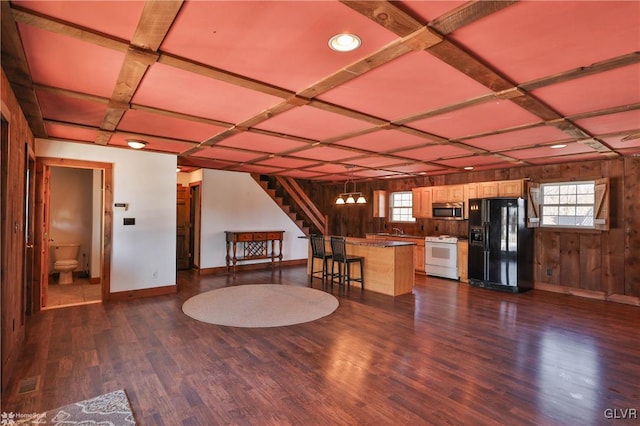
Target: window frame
(409,207)
(575,205)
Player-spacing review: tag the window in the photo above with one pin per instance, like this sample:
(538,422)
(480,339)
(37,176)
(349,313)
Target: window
(568,204)
(401,206)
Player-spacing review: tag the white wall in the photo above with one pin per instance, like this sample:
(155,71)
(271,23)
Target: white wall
(143,255)
(233,201)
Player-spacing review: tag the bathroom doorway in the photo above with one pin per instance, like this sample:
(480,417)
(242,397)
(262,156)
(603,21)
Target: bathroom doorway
(73,215)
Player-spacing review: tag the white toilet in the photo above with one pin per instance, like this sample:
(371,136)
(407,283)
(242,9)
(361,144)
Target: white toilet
(65,261)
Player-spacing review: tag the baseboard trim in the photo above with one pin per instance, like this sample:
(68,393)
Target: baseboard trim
(251,266)
(94,280)
(590,294)
(145,292)
(627,300)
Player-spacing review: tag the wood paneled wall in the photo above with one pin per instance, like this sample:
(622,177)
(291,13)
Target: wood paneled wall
(590,263)
(15,147)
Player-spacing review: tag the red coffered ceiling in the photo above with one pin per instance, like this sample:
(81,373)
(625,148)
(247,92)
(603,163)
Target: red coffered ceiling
(253,86)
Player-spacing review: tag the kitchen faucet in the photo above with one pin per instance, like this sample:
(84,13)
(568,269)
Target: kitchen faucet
(398,231)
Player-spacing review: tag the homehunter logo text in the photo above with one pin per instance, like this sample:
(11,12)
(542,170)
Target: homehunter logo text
(7,419)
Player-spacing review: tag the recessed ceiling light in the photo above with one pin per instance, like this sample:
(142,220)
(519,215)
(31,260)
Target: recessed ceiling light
(344,42)
(558,146)
(136,144)
(469,168)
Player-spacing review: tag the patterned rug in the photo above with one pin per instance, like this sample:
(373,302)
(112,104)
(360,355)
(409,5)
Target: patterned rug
(260,305)
(110,409)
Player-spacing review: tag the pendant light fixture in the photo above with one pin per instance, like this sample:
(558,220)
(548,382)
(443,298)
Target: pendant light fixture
(353,197)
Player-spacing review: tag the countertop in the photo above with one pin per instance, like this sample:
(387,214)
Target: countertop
(372,243)
(407,236)
(378,243)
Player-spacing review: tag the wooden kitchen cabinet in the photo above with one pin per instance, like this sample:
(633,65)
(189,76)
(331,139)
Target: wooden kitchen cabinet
(447,194)
(422,202)
(380,203)
(418,253)
(500,188)
(488,189)
(456,193)
(463,261)
(510,188)
(418,250)
(470,191)
(440,194)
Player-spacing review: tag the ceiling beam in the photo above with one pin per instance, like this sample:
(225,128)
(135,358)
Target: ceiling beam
(448,51)
(107,134)
(466,14)
(595,68)
(16,68)
(68,29)
(387,15)
(153,26)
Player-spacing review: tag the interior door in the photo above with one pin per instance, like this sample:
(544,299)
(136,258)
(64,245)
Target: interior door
(194,215)
(183,225)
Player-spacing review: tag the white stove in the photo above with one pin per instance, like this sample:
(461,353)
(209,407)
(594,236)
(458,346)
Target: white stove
(441,256)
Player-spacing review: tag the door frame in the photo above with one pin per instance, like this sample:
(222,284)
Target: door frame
(30,270)
(183,228)
(42,241)
(195,215)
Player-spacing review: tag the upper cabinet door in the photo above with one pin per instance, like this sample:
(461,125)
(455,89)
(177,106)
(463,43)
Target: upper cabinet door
(440,194)
(422,202)
(510,188)
(380,203)
(456,193)
(487,189)
(448,194)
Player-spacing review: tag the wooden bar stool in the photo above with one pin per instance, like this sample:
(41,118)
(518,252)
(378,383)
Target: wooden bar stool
(344,261)
(318,252)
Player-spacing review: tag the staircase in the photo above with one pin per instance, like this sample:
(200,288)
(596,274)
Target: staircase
(292,199)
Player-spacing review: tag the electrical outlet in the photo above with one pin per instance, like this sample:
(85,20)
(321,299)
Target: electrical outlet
(154,275)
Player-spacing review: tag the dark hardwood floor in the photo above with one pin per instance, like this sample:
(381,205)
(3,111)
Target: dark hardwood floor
(446,354)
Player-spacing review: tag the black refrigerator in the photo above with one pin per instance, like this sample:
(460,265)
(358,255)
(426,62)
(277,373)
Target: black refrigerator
(500,244)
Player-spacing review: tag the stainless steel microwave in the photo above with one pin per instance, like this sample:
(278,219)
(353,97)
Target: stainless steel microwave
(450,211)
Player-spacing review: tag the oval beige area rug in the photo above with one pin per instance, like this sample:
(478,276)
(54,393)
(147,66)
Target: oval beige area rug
(260,305)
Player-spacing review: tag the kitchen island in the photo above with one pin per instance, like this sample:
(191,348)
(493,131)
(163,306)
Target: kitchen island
(388,265)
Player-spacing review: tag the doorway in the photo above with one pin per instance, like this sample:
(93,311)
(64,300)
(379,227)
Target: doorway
(75,221)
(194,218)
(61,228)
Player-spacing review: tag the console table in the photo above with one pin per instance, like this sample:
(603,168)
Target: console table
(253,245)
